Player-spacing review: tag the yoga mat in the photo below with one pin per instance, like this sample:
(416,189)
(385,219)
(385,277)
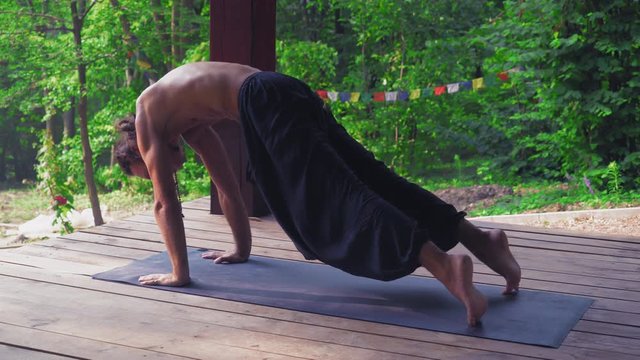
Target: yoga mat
(531,317)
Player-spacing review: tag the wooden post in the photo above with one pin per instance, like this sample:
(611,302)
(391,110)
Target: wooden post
(242,31)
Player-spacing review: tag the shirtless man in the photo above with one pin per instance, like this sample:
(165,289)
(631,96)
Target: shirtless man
(336,202)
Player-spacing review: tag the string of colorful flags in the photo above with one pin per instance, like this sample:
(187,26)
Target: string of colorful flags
(405,95)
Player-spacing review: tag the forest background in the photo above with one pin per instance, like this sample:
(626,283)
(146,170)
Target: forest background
(564,128)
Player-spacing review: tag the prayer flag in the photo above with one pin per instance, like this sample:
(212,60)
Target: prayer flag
(453,88)
(345,96)
(439,90)
(503,76)
(415,94)
(143,64)
(322,94)
(426,92)
(365,97)
(477,83)
(391,96)
(403,95)
(355,96)
(333,95)
(378,96)
(466,85)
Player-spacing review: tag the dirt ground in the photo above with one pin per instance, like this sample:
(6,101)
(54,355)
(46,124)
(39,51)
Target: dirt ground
(467,199)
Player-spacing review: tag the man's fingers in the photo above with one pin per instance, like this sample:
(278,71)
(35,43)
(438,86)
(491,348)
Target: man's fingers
(224,259)
(212,255)
(148,280)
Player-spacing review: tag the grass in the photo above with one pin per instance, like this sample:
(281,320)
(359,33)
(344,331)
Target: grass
(23,203)
(535,198)
(20,204)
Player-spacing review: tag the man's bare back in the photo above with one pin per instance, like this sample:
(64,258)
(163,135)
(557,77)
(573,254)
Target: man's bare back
(192,95)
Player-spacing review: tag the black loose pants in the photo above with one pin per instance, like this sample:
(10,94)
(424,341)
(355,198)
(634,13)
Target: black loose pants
(330,195)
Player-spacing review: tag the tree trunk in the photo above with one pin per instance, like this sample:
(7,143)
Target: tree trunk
(87,155)
(21,170)
(176,39)
(131,40)
(68,118)
(3,159)
(161,29)
(189,27)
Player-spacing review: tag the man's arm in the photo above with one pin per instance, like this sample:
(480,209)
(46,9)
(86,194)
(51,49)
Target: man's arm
(206,142)
(167,207)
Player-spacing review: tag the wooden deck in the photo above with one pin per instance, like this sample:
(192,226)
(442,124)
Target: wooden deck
(50,308)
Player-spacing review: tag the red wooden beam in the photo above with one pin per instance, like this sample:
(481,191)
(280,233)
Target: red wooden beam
(244,32)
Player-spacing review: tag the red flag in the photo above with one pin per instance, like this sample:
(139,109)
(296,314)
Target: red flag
(323,94)
(439,90)
(503,76)
(378,96)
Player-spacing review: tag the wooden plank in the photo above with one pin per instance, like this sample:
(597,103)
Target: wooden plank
(267,229)
(94,261)
(218,224)
(575,248)
(564,239)
(8,352)
(604,342)
(71,346)
(553,232)
(148,324)
(567,287)
(150,232)
(544,259)
(609,329)
(53,265)
(624,315)
(95,248)
(358,328)
(612,317)
(200,207)
(202,221)
(622,331)
(596,277)
(605,296)
(568,244)
(154,243)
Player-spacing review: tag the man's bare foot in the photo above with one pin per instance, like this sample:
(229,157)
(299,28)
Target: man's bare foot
(455,272)
(492,248)
(459,281)
(504,263)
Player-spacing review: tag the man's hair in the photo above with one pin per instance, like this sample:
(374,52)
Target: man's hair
(126,148)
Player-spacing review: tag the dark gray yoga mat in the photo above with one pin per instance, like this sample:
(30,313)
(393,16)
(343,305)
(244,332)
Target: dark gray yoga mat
(531,317)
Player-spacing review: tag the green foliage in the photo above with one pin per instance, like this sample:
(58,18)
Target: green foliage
(580,87)
(314,62)
(55,183)
(570,112)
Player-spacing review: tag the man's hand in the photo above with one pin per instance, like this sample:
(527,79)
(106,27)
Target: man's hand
(220,257)
(163,280)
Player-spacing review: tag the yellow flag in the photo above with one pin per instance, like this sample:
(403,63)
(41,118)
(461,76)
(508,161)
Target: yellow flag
(477,83)
(143,64)
(414,94)
(355,96)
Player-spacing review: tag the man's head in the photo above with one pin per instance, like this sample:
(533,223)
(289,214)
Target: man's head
(126,149)
(128,154)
